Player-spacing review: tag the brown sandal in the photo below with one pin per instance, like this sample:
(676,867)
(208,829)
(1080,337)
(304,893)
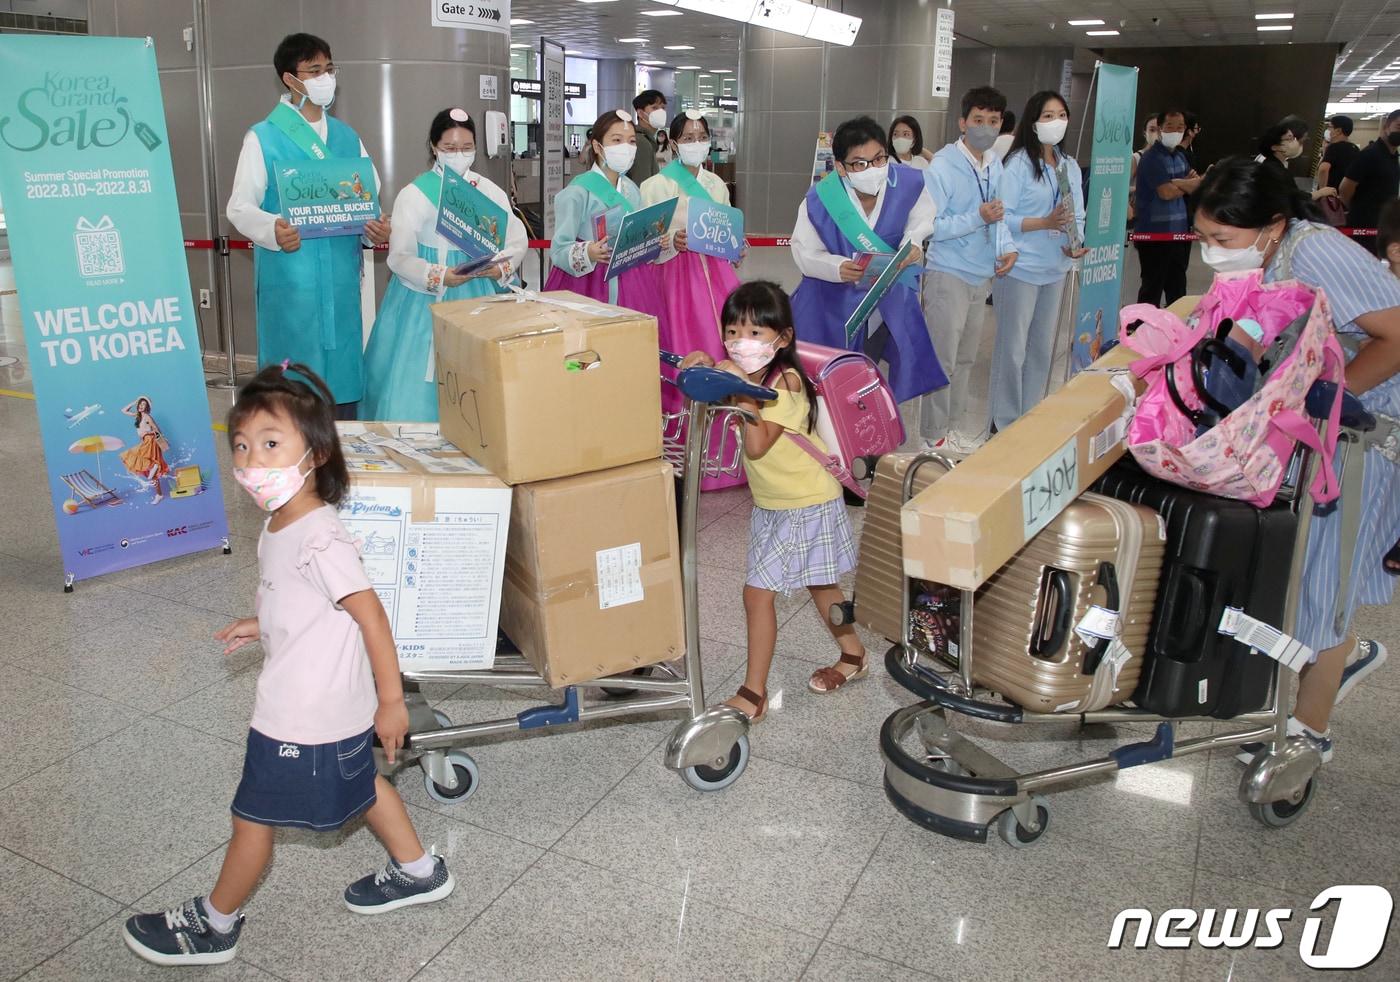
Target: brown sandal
(760,703)
(829,679)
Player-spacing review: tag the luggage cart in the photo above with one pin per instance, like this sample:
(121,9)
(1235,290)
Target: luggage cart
(710,746)
(959,789)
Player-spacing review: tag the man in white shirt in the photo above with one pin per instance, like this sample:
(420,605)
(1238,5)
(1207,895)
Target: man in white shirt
(307,291)
(867,204)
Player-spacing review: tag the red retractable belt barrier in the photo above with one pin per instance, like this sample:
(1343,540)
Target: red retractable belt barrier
(1355,233)
(753,241)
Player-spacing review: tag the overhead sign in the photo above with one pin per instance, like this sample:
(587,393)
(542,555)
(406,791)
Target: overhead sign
(943,54)
(478,15)
(1066,79)
(530,88)
(725,102)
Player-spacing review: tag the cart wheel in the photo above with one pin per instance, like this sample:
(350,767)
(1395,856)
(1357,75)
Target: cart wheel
(703,778)
(1281,814)
(443,720)
(1017,835)
(616,692)
(947,765)
(468,779)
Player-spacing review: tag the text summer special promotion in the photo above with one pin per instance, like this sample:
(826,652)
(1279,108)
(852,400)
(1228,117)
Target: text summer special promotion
(111,332)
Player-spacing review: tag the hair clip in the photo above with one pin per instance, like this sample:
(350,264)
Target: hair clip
(694,114)
(285,362)
(624,115)
(460,115)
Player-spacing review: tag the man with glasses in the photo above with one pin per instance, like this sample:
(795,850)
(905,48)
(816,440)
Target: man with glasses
(867,204)
(971,244)
(307,292)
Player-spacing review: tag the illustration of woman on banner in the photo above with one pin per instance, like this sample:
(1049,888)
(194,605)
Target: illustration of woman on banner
(147,459)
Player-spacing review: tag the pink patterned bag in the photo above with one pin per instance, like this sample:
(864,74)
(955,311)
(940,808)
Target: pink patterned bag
(1246,454)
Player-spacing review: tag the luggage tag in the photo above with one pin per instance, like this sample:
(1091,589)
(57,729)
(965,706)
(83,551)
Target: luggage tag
(1282,648)
(1098,624)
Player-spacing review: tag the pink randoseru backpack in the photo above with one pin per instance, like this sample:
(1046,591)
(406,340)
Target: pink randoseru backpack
(856,412)
(1246,454)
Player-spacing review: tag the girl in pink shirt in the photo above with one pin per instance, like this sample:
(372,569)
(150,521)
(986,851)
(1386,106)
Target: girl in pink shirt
(330,681)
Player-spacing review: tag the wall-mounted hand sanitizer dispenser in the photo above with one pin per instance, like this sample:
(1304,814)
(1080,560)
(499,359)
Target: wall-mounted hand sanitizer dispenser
(497,135)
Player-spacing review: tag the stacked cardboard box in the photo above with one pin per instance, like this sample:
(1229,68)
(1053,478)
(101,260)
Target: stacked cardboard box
(559,396)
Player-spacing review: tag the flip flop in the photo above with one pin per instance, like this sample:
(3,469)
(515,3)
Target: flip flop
(1391,562)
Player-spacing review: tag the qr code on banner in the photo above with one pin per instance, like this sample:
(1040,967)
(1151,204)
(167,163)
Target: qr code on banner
(99,248)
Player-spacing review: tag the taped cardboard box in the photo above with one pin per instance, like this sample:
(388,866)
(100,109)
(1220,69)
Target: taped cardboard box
(431,524)
(547,385)
(968,524)
(593,579)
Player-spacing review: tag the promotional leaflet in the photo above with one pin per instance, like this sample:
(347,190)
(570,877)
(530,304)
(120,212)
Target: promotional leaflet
(715,230)
(884,282)
(639,238)
(607,225)
(470,221)
(335,196)
(1106,214)
(104,295)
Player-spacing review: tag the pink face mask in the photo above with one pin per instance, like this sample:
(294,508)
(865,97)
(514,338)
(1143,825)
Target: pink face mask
(751,354)
(272,487)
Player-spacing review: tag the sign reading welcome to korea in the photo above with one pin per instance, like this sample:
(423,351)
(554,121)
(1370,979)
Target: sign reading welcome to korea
(473,15)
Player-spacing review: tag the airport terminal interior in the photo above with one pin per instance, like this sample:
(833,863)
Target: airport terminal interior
(580,852)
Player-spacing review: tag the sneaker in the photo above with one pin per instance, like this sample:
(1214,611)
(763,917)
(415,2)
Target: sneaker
(181,936)
(1322,744)
(967,443)
(1365,658)
(392,888)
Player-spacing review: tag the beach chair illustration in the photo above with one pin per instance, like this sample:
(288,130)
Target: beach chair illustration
(90,489)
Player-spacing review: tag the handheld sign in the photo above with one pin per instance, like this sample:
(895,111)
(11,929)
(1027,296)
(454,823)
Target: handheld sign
(715,230)
(884,282)
(1067,194)
(335,196)
(470,221)
(639,238)
(606,225)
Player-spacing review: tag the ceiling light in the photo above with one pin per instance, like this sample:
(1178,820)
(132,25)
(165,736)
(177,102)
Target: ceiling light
(631,40)
(687,68)
(651,63)
(679,47)
(1085,23)
(661,13)
(1273,27)
(722,71)
(571,51)
(1273,16)
(522,45)
(517,21)
(1101,34)
(597,1)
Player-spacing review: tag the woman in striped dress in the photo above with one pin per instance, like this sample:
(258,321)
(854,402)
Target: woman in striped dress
(1251,216)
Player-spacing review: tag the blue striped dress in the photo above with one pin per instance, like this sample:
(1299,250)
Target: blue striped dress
(1356,283)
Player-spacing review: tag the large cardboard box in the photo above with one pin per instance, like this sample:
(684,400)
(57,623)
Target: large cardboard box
(547,387)
(431,524)
(593,579)
(965,526)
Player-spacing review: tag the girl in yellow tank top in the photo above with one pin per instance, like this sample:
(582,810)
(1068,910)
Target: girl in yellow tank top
(799,534)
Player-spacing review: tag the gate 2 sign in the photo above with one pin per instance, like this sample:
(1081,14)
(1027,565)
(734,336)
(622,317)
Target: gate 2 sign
(476,15)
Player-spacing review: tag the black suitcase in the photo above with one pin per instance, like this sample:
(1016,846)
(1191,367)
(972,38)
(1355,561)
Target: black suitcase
(1220,553)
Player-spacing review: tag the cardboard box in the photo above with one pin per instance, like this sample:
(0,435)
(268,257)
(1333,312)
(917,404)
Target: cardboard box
(548,387)
(965,527)
(593,578)
(431,524)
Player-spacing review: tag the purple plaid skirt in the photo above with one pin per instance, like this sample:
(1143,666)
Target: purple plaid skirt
(793,548)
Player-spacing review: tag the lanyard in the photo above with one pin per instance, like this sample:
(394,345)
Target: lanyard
(984,191)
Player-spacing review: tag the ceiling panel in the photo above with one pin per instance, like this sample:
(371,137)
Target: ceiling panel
(1366,32)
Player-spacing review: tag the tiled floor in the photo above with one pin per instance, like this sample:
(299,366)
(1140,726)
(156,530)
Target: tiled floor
(582,857)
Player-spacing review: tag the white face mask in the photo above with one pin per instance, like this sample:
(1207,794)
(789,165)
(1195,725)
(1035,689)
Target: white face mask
(1327,136)
(459,161)
(657,118)
(320,90)
(868,181)
(694,154)
(619,157)
(1292,149)
(1172,140)
(1224,260)
(1052,132)
(903,144)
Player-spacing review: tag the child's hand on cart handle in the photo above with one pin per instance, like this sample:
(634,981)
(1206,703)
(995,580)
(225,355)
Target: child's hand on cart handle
(241,632)
(697,358)
(391,723)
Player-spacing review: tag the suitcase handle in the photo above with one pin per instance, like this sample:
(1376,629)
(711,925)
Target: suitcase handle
(1186,592)
(1108,579)
(1056,581)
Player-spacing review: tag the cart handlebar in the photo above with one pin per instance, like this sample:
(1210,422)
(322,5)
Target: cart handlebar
(702,384)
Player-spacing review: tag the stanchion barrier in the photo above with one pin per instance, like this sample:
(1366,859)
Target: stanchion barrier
(1355,233)
(752,241)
